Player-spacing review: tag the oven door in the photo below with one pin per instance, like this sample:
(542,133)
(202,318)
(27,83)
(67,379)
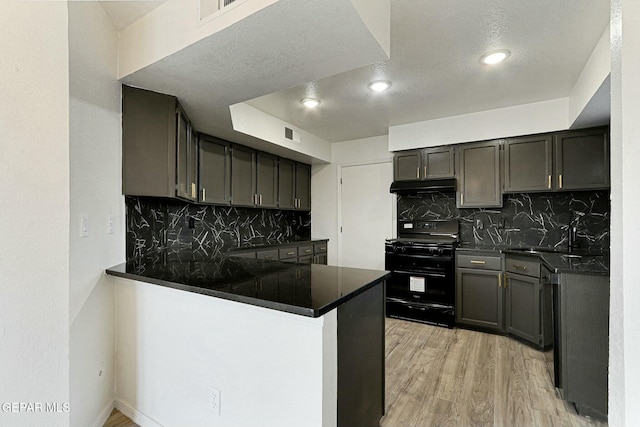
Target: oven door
(421,286)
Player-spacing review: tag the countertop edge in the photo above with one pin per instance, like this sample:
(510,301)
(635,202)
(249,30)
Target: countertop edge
(272,305)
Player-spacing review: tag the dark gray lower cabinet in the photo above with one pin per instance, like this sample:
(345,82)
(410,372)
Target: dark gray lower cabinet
(582,346)
(523,307)
(479,296)
(361,382)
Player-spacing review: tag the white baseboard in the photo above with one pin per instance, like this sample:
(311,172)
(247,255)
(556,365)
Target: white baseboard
(137,417)
(104,415)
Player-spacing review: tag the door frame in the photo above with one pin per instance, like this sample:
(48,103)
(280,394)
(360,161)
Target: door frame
(394,208)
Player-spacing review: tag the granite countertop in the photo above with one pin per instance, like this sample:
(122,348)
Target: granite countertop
(307,290)
(577,262)
(272,243)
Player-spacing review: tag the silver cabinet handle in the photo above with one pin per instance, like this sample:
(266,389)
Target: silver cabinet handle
(260,200)
(560,180)
(307,251)
(193,190)
(290,253)
(549,185)
(520,267)
(499,280)
(425,172)
(418,172)
(204,194)
(473,261)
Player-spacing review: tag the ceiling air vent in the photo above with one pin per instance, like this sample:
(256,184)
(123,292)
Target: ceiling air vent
(226,2)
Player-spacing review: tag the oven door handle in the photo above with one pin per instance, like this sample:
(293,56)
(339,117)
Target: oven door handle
(420,273)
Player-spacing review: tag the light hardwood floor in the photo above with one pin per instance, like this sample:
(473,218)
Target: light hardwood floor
(440,377)
(456,377)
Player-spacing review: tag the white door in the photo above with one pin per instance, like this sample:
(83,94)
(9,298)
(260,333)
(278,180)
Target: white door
(366,214)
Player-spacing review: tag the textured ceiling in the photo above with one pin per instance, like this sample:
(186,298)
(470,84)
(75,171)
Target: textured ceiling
(285,44)
(294,48)
(435,48)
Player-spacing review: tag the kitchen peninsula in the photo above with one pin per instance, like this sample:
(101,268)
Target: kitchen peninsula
(278,343)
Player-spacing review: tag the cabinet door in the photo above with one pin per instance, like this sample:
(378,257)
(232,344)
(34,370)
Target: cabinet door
(479,177)
(523,307)
(479,298)
(215,174)
(528,164)
(303,186)
(437,162)
(406,165)
(243,176)
(582,159)
(267,180)
(148,143)
(183,188)
(286,184)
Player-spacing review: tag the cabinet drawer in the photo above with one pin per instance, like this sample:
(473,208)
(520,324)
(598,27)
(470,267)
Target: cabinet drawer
(243,254)
(270,254)
(286,253)
(522,266)
(479,262)
(305,250)
(319,248)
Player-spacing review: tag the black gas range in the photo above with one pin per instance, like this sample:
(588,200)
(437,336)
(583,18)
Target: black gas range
(421,261)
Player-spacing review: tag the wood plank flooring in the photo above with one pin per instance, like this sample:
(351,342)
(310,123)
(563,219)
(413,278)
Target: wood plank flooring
(117,419)
(439,377)
(456,377)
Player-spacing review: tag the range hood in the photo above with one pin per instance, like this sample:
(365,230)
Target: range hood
(423,186)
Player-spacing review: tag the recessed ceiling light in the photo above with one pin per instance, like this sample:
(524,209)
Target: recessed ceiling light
(494,57)
(310,102)
(380,85)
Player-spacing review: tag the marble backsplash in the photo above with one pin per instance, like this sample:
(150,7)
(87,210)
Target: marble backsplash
(525,220)
(157,224)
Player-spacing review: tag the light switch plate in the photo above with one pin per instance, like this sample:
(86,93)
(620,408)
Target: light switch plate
(84,224)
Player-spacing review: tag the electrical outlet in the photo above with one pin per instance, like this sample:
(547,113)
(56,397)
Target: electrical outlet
(215,400)
(109,224)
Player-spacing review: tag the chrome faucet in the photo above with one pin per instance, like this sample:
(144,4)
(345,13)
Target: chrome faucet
(572,232)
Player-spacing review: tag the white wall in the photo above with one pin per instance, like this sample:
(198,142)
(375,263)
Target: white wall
(325,185)
(624,345)
(538,117)
(251,121)
(34,210)
(174,346)
(594,73)
(95,184)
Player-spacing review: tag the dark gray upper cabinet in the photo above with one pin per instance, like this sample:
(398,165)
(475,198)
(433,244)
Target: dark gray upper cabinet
(582,159)
(407,165)
(438,162)
(267,181)
(479,175)
(215,171)
(243,176)
(286,184)
(303,186)
(528,164)
(428,163)
(158,147)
